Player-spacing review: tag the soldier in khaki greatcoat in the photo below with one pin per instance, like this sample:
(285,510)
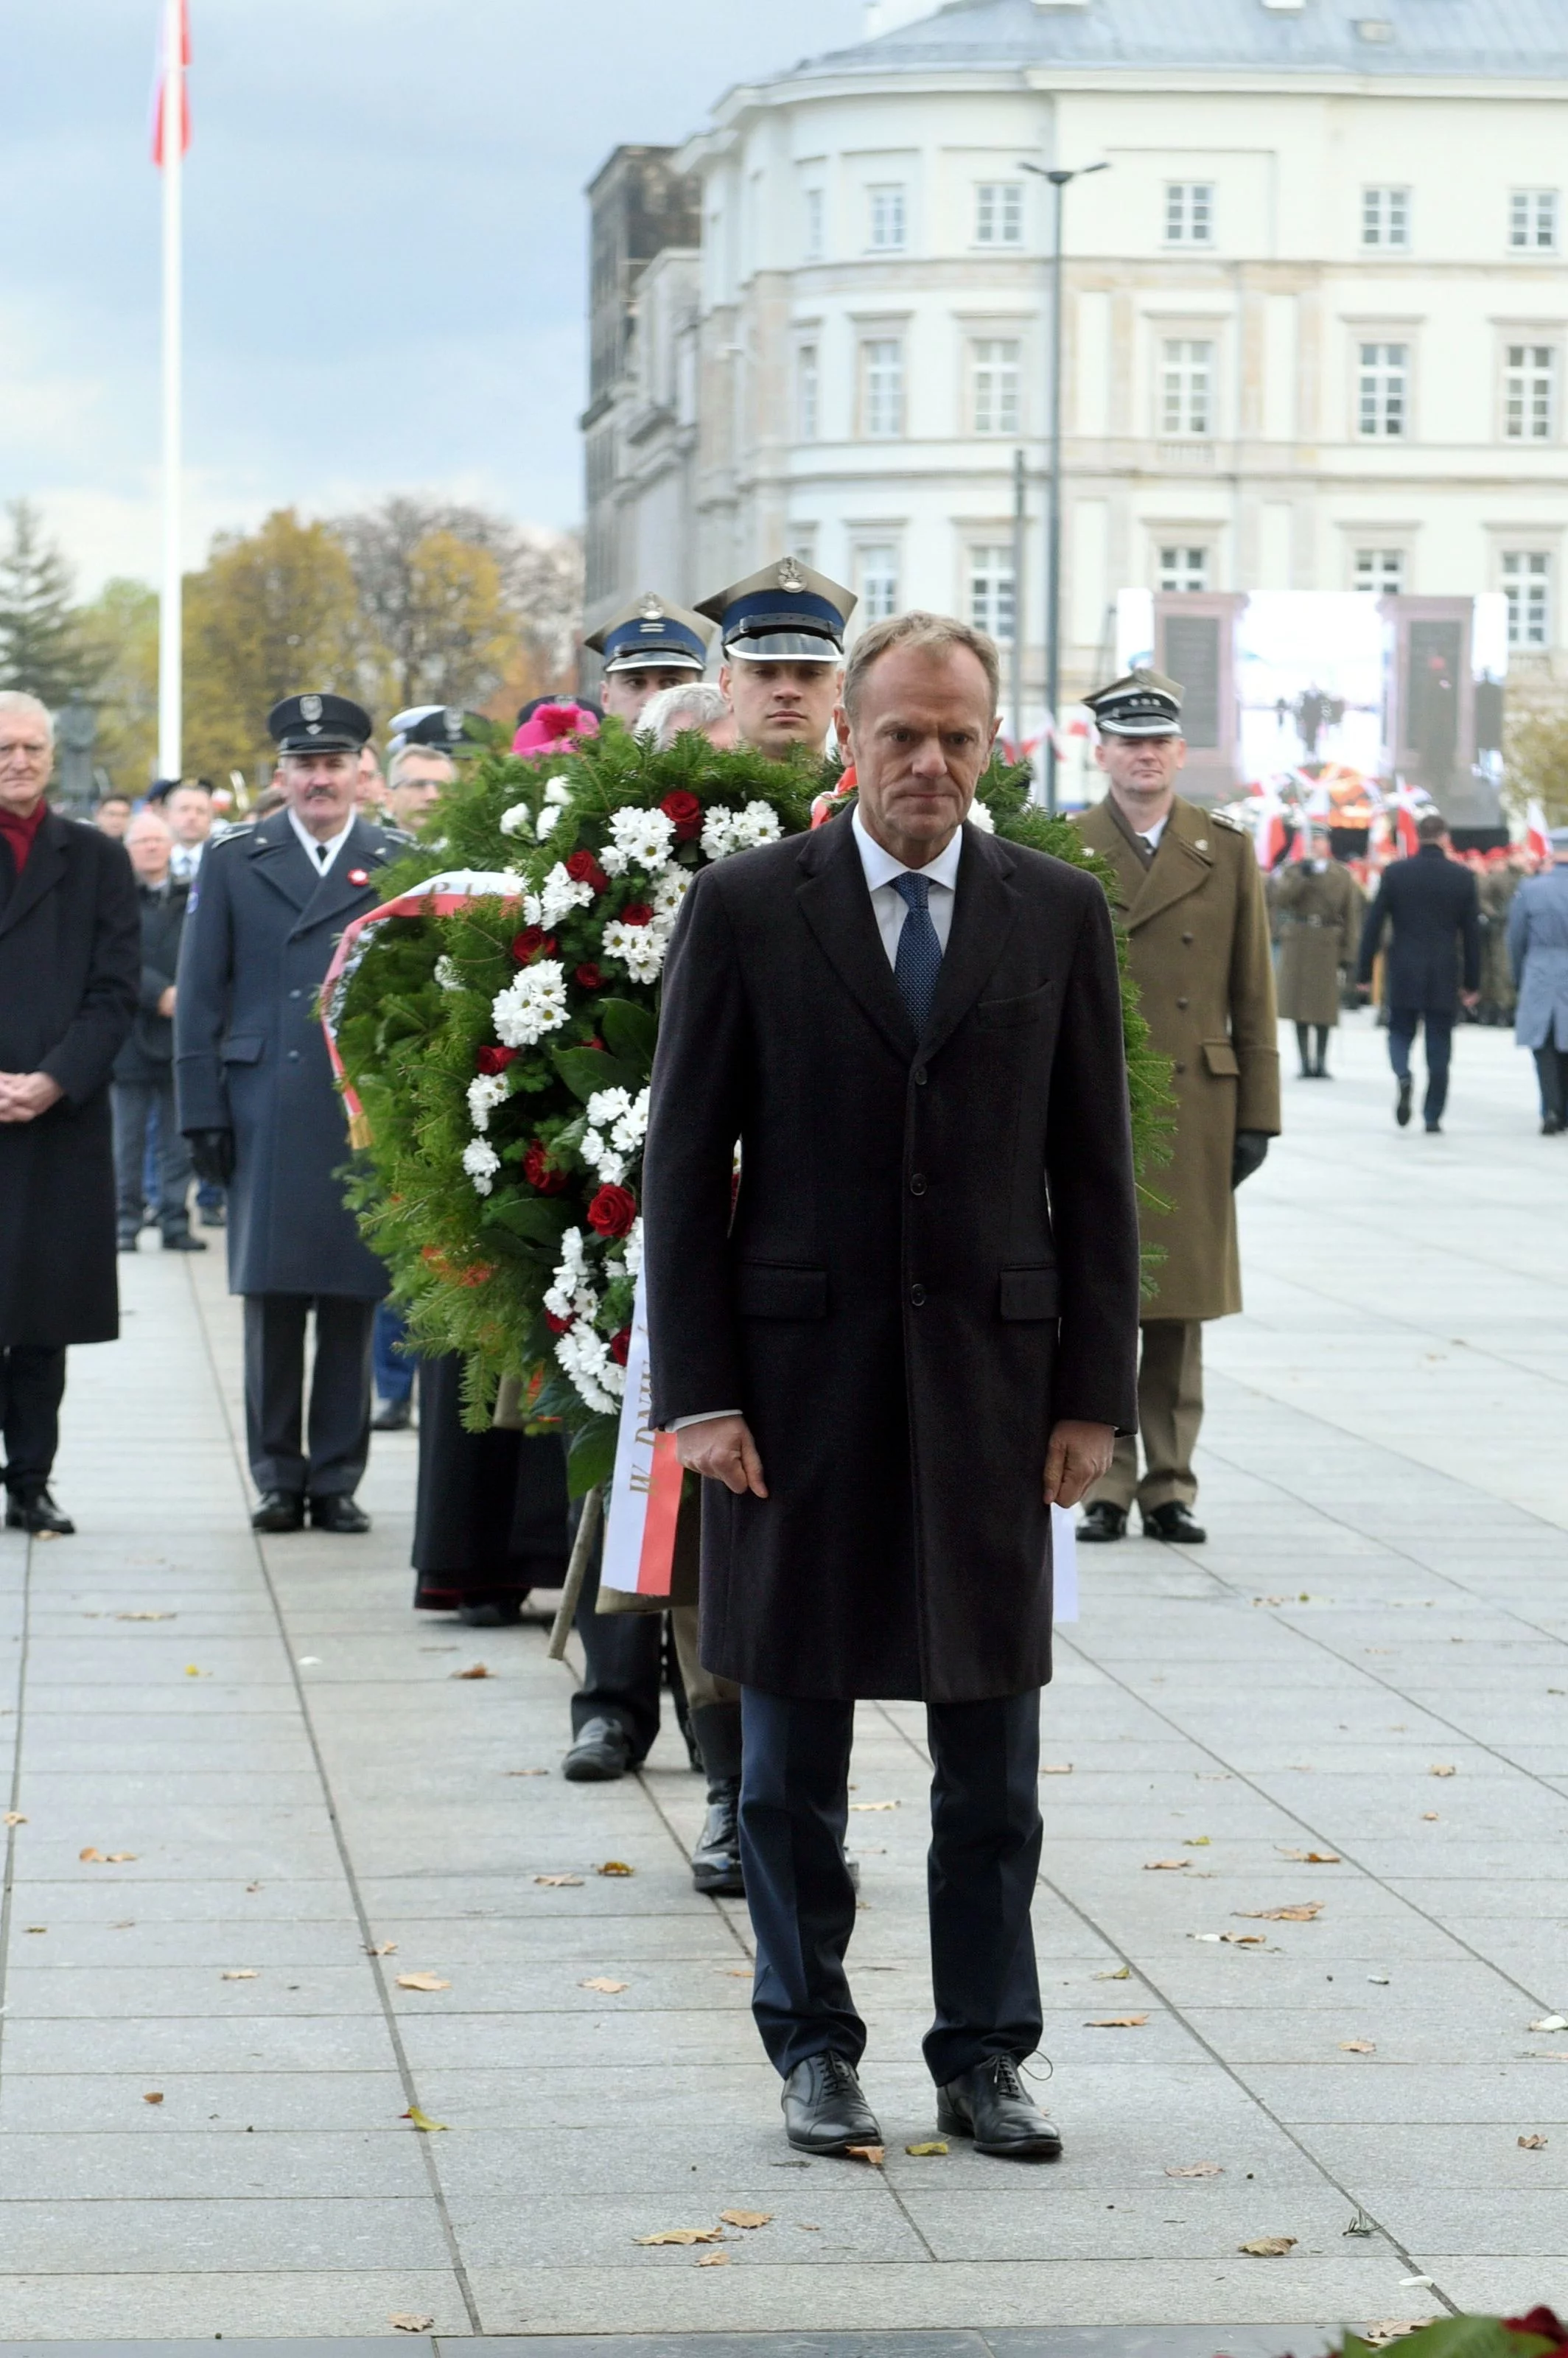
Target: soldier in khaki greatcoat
(1191,898)
(1317,911)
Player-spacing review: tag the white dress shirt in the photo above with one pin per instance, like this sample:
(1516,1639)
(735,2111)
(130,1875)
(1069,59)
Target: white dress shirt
(184,861)
(1151,835)
(322,853)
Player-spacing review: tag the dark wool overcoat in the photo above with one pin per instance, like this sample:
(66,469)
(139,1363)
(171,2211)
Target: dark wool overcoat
(1433,912)
(148,1053)
(932,1257)
(71,960)
(250,1054)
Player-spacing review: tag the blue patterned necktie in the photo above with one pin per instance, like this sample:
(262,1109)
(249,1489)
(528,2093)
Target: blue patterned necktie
(919,958)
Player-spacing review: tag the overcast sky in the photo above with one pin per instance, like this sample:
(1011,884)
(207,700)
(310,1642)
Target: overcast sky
(385,276)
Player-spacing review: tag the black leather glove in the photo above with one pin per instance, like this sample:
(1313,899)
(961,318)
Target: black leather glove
(1247,1154)
(212,1155)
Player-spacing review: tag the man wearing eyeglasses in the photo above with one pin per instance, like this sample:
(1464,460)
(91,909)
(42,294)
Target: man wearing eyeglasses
(70,978)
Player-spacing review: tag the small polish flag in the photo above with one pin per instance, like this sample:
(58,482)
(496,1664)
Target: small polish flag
(1537,842)
(1269,830)
(163,77)
(1409,803)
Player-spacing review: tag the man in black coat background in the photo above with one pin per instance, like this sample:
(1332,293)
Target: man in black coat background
(70,963)
(917,1332)
(142,1087)
(1430,906)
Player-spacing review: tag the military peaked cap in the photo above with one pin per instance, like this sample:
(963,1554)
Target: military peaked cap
(1144,704)
(319,724)
(785,613)
(437,728)
(652,634)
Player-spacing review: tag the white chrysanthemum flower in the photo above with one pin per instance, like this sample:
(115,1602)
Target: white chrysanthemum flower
(586,1359)
(717,838)
(485,1093)
(570,1294)
(643,837)
(980,817)
(758,823)
(531,908)
(518,820)
(613,862)
(634,1248)
(531,1005)
(596,1150)
(561,894)
(631,1126)
(557,792)
(669,893)
(640,949)
(447,976)
(481,1162)
(607,1106)
(545,821)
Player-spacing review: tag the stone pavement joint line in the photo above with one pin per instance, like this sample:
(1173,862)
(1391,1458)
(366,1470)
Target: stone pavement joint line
(238,1768)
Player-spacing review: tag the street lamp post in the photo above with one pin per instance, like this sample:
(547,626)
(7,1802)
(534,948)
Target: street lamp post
(1059,181)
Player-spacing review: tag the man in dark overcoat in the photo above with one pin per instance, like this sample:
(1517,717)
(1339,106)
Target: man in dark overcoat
(69,964)
(257,1102)
(1432,912)
(143,1089)
(915,1333)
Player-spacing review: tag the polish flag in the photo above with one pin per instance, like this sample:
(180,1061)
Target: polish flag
(1268,829)
(1409,803)
(164,77)
(1536,840)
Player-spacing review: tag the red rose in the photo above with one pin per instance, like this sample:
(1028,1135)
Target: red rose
(620,1345)
(540,1171)
(685,814)
(584,869)
(531,943)
(590,978)
(556,1325)
(613,1211)
(1542,2321)
(496,1060)
(639,913)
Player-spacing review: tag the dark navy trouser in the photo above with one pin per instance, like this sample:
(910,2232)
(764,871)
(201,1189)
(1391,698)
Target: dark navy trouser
(984,1857)
(1403,1023)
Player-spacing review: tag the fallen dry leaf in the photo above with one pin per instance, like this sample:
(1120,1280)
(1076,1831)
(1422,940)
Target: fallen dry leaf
(146,1616)
(241,1973)
(1358,2046)
(192,1673)
(34,1928)
(527,1772)
(1552,2022)
(615,1866)
(600,1982)
(1122,1974)
(422,1982)
(683,2235)
(421,2120)
(740,1972)
(874,2154)
(382,1949)
(1196,2169)
(1117,2022)
(1246,1940)
(746,2218)
(1532,2143)
(557,1882)
(120,1858)
(1393,2328)
(90,1856)
(1057,1769)
(1164,1866)
(475,1670)
(1313,1858)
(1197,1842)
(714,2260)
(1302,1914)
(15,1818)
(405,2323)
(873,1805)
(153,2096)
(1429,1817)
(1269,2247)
(1443,1769)
(933,2147)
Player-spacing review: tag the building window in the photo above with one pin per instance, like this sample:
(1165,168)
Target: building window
(887,217)
(882,387)
(1383,391)
(1386,218)
(802,544)
(993,385)
(1189,212)
(1187,388)
(1381,570)
(1527,586)
(1532,221)
(806,419)
(876,580)
(999,212)
(814,224)
(993,603)
(1530,392)
(1183,569)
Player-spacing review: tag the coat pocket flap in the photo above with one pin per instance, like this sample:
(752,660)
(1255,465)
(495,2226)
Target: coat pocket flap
(999,1014)
(244,1048)
(770,1289)
(1220,1058)
(1030,1293)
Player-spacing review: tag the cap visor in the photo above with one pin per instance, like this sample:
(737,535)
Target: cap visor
(785,646)
(655,659)
(1150,728)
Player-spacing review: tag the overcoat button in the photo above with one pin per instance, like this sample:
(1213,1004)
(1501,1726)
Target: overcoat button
(1188,938)
(1181,1068)
(1181,1002)
(917,1184)
(294,1058)
(918,1296)
(920,1076)
(294,994)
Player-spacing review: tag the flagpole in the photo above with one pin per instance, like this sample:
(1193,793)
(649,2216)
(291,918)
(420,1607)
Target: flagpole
(169,684)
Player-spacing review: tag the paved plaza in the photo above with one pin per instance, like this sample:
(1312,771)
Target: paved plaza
(1305,1841)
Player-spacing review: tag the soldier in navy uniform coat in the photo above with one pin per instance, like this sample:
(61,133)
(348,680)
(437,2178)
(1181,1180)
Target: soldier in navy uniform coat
(258,1104)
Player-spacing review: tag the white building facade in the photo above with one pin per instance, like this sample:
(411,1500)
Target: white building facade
(1315,315)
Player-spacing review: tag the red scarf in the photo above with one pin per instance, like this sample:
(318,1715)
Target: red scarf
(20,832)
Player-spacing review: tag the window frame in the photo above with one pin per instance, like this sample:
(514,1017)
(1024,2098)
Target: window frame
(1375,380)
(1527,565)
(1527,207)
(1183,554)
(1380,587)
(1384,195)
(1528,372)
(808,390)
(1008,195)
(1002,592)
(1184,201)
(869,342)
(814,228)
(894,194)
(870,608)
(1180,378)
(1004,382)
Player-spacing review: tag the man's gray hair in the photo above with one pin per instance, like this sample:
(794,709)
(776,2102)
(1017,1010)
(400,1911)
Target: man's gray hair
(16,700)
(424,753)
(940,632)
(694,704)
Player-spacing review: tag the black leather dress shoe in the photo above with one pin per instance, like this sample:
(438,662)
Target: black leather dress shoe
(1403,1103)
(716,1861)
(37,1513)
(183,1241)
(824,2109)
(600,1751)
(1173,1522)
(395,1417)
(279,1510)
(339,1513)
(214,1217)
(1103,1521)
(990,2104)
(490,1612)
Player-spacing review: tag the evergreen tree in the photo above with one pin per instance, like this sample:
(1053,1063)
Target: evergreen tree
(42,648)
